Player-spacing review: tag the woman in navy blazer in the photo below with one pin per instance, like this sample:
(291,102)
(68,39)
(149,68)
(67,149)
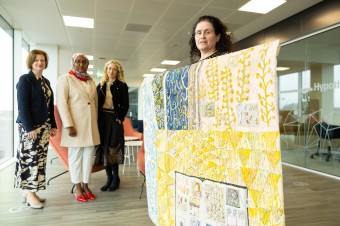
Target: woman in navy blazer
(36,124)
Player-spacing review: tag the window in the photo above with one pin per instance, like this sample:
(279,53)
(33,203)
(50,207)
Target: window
(336,86)
(6,91)
(293,91)
(311,88)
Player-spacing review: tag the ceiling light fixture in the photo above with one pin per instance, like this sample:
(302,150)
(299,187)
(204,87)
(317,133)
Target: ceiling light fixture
(148,75)
(89,57)
(282,68)
(90,66)
(158,69)
(261,6)
(73,21)
(170,62)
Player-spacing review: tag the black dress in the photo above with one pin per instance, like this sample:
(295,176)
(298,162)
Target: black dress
(112,135)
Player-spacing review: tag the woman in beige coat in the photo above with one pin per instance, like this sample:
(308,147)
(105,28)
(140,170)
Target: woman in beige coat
(78,104)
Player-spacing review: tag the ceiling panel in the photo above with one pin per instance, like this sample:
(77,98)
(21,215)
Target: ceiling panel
(233,5)
(111,15)
(199,3)
(218,12)
(143,18)
(152,7)
(182,10)
(124,5)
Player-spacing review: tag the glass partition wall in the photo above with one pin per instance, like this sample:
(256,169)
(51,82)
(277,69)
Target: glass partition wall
(309,101)
(6,91)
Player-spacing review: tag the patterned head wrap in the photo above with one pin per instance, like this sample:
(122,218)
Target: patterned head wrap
(84,76)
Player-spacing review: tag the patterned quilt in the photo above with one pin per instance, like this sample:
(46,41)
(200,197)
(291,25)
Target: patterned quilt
(212,141)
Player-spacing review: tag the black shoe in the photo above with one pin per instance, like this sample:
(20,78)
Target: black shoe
(107,185)
(114,185)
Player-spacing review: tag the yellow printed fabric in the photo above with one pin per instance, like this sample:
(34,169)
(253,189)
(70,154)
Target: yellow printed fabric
(212,142)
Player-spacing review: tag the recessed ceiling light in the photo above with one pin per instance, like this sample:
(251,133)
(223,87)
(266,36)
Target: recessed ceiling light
(90,57)
(158,69)
(261,6)
(282,68)
(170,62)
(90,72)
(148,75)
(73,21)
(90,66)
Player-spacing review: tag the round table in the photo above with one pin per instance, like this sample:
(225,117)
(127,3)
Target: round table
(130,138)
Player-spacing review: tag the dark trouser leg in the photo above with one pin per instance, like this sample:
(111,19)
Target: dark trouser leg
(116,180)
(109,175)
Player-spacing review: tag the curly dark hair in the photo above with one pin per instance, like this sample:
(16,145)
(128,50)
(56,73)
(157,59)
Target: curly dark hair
(224,44)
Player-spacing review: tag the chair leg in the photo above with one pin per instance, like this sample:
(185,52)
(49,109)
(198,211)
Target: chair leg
(317,151)
(329,153)
(72,188)
(127,155)
(133,153)
(53,159)
(140,196)
(48,182)
(124,165)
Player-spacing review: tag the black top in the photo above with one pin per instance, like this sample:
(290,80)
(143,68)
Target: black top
(120,98)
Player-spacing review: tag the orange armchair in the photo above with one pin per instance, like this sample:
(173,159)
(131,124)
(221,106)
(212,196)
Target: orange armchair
(130,131)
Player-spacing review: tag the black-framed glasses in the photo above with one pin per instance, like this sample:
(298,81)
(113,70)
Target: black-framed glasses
(81,62)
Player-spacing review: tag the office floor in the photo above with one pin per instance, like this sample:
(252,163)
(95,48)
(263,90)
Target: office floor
(122,207)
(310,200)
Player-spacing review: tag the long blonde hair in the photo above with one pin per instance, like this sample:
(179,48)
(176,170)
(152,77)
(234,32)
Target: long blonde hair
(120,71)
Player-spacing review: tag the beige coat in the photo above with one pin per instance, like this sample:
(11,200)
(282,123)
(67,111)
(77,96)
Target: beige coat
(79,109)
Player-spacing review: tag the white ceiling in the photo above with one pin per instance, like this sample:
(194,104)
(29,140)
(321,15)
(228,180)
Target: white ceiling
(120,26)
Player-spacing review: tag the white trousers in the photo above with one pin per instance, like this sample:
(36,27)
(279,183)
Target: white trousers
(80,162)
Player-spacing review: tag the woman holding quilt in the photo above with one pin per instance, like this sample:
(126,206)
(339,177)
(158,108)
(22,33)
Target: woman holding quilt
(209,39)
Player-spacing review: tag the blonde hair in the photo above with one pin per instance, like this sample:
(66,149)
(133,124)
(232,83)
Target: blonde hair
(120,71)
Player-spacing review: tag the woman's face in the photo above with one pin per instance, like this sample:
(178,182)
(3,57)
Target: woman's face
(81,64)
(112,71)
(205,37)
(39,63)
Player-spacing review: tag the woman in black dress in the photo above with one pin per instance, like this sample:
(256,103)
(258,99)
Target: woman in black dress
(113,104)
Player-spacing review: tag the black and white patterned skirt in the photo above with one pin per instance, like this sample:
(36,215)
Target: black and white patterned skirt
(30,169)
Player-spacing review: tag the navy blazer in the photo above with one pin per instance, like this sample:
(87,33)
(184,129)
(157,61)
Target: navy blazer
(32,106)
(120,98)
